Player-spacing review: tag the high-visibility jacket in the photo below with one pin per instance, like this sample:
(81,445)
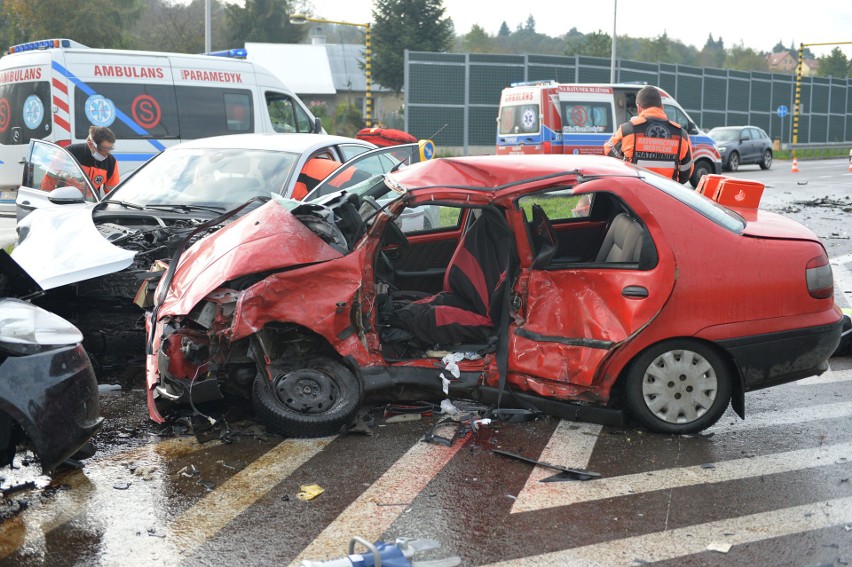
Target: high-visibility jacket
(103,174)
(315,170)
(652,141)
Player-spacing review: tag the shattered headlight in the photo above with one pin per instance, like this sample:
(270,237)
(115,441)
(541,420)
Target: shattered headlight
(27,329)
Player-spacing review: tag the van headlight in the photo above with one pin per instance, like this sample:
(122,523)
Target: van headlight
(27,329)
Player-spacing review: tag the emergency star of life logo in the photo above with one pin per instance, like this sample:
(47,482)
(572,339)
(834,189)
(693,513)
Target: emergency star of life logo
(100,111)
(657,131)
(33,112)
(528,119)
(99,179)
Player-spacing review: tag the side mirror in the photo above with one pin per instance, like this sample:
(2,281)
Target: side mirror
(693,129)
(317,126)
(65,196)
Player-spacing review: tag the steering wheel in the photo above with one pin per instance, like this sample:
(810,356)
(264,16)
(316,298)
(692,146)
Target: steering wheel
(393,234)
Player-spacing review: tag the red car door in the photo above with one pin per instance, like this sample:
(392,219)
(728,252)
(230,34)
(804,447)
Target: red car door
(573,316)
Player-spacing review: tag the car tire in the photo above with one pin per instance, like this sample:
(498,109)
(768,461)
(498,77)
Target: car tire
(702,168)
(734,161)
(678,386)
(314,399)
(766,162)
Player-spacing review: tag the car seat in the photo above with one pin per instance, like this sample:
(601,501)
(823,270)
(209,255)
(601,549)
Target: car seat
(623,241)
(469,307)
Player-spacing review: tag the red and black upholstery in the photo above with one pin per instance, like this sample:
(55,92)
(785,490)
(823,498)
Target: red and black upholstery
(470,305)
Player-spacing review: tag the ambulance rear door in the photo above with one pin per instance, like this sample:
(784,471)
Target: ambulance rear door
(131,93)
(27,111)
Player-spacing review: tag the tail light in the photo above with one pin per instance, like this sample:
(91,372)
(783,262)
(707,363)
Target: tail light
(819,277)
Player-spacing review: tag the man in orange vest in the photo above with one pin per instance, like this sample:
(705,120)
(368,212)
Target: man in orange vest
(95,156)
(315,170)
(652,141)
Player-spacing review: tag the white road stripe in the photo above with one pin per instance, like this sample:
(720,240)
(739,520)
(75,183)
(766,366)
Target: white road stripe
(671,544)
(828,378)
(555,494)
(372,514)
(787,416)
(29,528)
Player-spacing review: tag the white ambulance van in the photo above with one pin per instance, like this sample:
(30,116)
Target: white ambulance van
(55,89)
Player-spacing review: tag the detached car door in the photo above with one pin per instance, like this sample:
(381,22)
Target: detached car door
(574,313)
(47,171)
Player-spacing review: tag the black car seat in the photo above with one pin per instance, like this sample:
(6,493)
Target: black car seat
(623,241)
(469,307)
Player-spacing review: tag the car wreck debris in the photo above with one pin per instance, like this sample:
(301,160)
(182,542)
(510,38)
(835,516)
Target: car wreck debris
(564,472)
(396,554)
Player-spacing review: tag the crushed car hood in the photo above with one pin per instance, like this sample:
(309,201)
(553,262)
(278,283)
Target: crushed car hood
(267,239)
(83,254)
(766,224)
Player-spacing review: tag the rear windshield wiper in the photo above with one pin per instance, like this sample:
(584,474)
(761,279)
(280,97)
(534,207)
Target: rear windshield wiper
(186,208)
(124,204)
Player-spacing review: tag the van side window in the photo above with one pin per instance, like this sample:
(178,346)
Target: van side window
(24,112)
(286,114)
(586,117)
(204,111)
(130,110)
(675,115)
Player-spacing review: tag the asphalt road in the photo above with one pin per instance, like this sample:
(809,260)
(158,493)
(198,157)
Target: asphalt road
(774,489)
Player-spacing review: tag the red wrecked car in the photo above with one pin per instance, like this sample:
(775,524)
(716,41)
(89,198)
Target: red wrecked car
(578,286)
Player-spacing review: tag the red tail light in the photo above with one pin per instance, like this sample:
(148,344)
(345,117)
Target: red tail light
(819,277)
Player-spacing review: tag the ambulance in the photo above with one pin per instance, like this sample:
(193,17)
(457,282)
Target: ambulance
(55,89)
(578,118)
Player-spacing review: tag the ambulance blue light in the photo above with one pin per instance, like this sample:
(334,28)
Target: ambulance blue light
(238,53)
(40,44)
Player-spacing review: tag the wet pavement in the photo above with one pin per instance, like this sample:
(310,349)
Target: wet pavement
(775,489)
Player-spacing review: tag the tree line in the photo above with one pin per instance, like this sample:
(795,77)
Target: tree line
(421,25)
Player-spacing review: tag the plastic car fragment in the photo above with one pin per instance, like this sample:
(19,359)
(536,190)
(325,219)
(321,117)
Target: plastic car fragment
(574,474)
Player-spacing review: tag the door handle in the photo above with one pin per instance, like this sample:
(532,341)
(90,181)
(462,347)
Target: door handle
(635,292)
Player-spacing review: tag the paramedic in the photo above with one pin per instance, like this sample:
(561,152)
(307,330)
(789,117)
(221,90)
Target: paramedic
(315,170)
(96,159)
(652,141)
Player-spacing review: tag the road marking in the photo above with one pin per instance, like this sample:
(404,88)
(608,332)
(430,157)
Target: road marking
(204,519)
(571,445)
(29,528)
(671,544)
(555,494)
(372,513)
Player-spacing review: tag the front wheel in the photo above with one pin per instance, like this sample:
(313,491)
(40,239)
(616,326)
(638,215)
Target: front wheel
(766,162)
(678,387)
(314,399)
(734,161)
(702,168)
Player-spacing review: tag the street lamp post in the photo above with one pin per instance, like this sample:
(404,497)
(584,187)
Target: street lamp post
(299,19)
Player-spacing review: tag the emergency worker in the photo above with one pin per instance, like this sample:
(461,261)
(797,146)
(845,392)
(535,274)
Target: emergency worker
(95,157)
(652,141)
(315,170)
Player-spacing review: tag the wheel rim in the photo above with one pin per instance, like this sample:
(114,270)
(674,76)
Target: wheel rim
(767,159)
(308,391)
(735,162)
(680,386)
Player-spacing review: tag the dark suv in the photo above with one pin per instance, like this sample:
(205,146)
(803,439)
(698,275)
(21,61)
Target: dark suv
(740,145)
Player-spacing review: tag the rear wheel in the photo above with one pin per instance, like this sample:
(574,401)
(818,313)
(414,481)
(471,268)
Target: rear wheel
(314,399)
(766,162)
(679,387)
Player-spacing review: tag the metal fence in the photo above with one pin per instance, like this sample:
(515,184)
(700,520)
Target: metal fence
(458,94)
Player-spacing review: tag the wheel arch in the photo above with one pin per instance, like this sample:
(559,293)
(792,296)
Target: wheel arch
(737,384)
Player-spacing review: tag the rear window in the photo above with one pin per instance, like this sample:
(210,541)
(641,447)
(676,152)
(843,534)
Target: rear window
(521,119)
(704,206)
(24,112)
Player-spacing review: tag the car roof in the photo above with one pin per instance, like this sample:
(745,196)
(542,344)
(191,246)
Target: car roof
(297,143)
(491,172)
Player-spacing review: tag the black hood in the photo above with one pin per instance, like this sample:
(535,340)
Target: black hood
(14,281)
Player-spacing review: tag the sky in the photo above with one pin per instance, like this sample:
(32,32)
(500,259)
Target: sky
(759,25)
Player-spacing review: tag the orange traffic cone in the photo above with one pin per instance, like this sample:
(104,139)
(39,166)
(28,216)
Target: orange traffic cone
(850,165)
(795,166)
